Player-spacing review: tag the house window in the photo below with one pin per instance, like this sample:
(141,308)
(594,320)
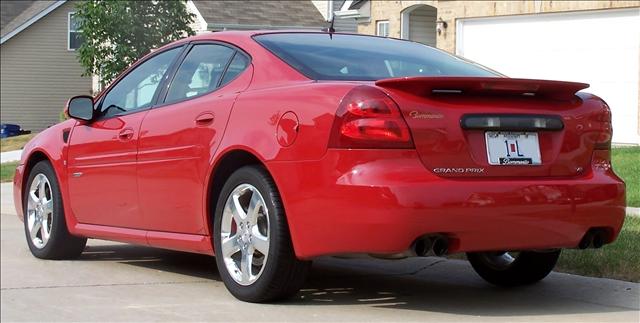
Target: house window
(75,36)
(382,28)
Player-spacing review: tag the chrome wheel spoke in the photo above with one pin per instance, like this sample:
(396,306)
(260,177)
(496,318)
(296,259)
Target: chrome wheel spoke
(44,232)
(31,219)
(37,225)
(42,187)
(260,242)
(254,207)
(32,197)
(48,207)
(226,227)
(245,266)
(508,258)
(236,209)
(499,260)
(230,246)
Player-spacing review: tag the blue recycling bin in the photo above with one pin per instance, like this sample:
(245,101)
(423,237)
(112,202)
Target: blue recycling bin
(9,130)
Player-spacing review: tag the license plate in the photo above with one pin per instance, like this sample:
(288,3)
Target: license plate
(513,148)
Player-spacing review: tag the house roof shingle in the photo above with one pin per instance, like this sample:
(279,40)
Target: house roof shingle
(11,9)
(19,12)
(357,4)
(221,14)
(260,13)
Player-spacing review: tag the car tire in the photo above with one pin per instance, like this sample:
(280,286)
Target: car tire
(45,226)
(508,270)
(258,263)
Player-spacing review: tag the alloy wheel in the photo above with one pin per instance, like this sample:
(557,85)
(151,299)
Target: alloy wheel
(40,211)
(245,234)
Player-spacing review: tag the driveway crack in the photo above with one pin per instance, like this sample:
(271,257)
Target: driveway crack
(415,272)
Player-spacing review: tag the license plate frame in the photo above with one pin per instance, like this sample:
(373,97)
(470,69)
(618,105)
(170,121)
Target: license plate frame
(513,148)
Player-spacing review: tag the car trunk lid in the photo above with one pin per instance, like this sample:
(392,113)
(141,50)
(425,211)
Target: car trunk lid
(467,126)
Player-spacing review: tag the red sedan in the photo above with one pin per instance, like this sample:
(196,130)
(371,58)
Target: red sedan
(269,149)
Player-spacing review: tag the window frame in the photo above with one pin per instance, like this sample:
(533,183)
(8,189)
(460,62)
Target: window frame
(378,24)
(162,97)
(69,31)
(161,85)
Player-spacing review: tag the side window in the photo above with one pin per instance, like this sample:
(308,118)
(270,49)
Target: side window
(200,72)
(237,66)
(136,90)
(382,28)
(74,36)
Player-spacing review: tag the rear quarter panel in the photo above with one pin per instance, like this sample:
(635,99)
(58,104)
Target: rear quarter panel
(253,124)
(253,127)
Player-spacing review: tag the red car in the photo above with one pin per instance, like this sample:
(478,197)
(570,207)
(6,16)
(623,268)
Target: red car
(269,149)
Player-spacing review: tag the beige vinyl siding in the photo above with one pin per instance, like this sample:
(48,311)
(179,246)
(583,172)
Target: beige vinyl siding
(321,5)
(39,74)
(344,25)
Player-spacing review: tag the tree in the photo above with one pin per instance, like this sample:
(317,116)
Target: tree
(117,33)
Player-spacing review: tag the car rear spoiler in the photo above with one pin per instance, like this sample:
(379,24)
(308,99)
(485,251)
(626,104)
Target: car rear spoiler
(428,86)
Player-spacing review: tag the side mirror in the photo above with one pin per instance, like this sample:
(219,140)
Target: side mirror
(80,107)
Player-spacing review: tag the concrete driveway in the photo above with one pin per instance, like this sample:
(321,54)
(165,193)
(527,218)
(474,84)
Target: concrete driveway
(117,282)
(10,156)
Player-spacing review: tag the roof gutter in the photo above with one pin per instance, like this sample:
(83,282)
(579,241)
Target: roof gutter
(353,13)
(218,27)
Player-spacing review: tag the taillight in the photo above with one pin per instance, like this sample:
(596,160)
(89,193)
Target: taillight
(602,145)
(368,118)
(603,140)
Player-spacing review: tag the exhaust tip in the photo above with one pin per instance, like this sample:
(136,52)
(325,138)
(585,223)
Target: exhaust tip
(432,245)
(440,246)
(586,241)
(423,247)
(594,238)
(598,240)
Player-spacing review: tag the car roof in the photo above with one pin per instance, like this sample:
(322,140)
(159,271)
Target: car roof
(239,37)
(250,33)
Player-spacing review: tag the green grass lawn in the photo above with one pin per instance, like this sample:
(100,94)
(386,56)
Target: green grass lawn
(15,143)
(619,260)
(7,170)
(626,163)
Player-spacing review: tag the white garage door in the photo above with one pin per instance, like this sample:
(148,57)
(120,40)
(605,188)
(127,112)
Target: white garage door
(596,47)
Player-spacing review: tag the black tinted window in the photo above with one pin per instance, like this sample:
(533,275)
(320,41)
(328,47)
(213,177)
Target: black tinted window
(136,90)
(200,72)
(352,57)
(238,64)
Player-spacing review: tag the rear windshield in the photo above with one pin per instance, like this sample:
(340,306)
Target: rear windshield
(364,58)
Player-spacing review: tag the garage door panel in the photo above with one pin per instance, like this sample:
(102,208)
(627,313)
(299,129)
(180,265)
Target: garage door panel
(601,48)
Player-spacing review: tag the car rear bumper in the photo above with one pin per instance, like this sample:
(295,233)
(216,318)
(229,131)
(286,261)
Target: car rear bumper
(381,201)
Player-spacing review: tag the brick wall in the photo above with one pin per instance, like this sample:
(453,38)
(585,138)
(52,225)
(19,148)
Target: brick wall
(449,11)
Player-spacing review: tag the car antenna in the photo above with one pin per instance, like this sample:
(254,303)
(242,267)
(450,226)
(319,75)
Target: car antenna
(330,29)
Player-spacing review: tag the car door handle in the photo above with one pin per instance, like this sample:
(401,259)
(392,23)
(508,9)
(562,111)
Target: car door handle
(205,119)
(125,134)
